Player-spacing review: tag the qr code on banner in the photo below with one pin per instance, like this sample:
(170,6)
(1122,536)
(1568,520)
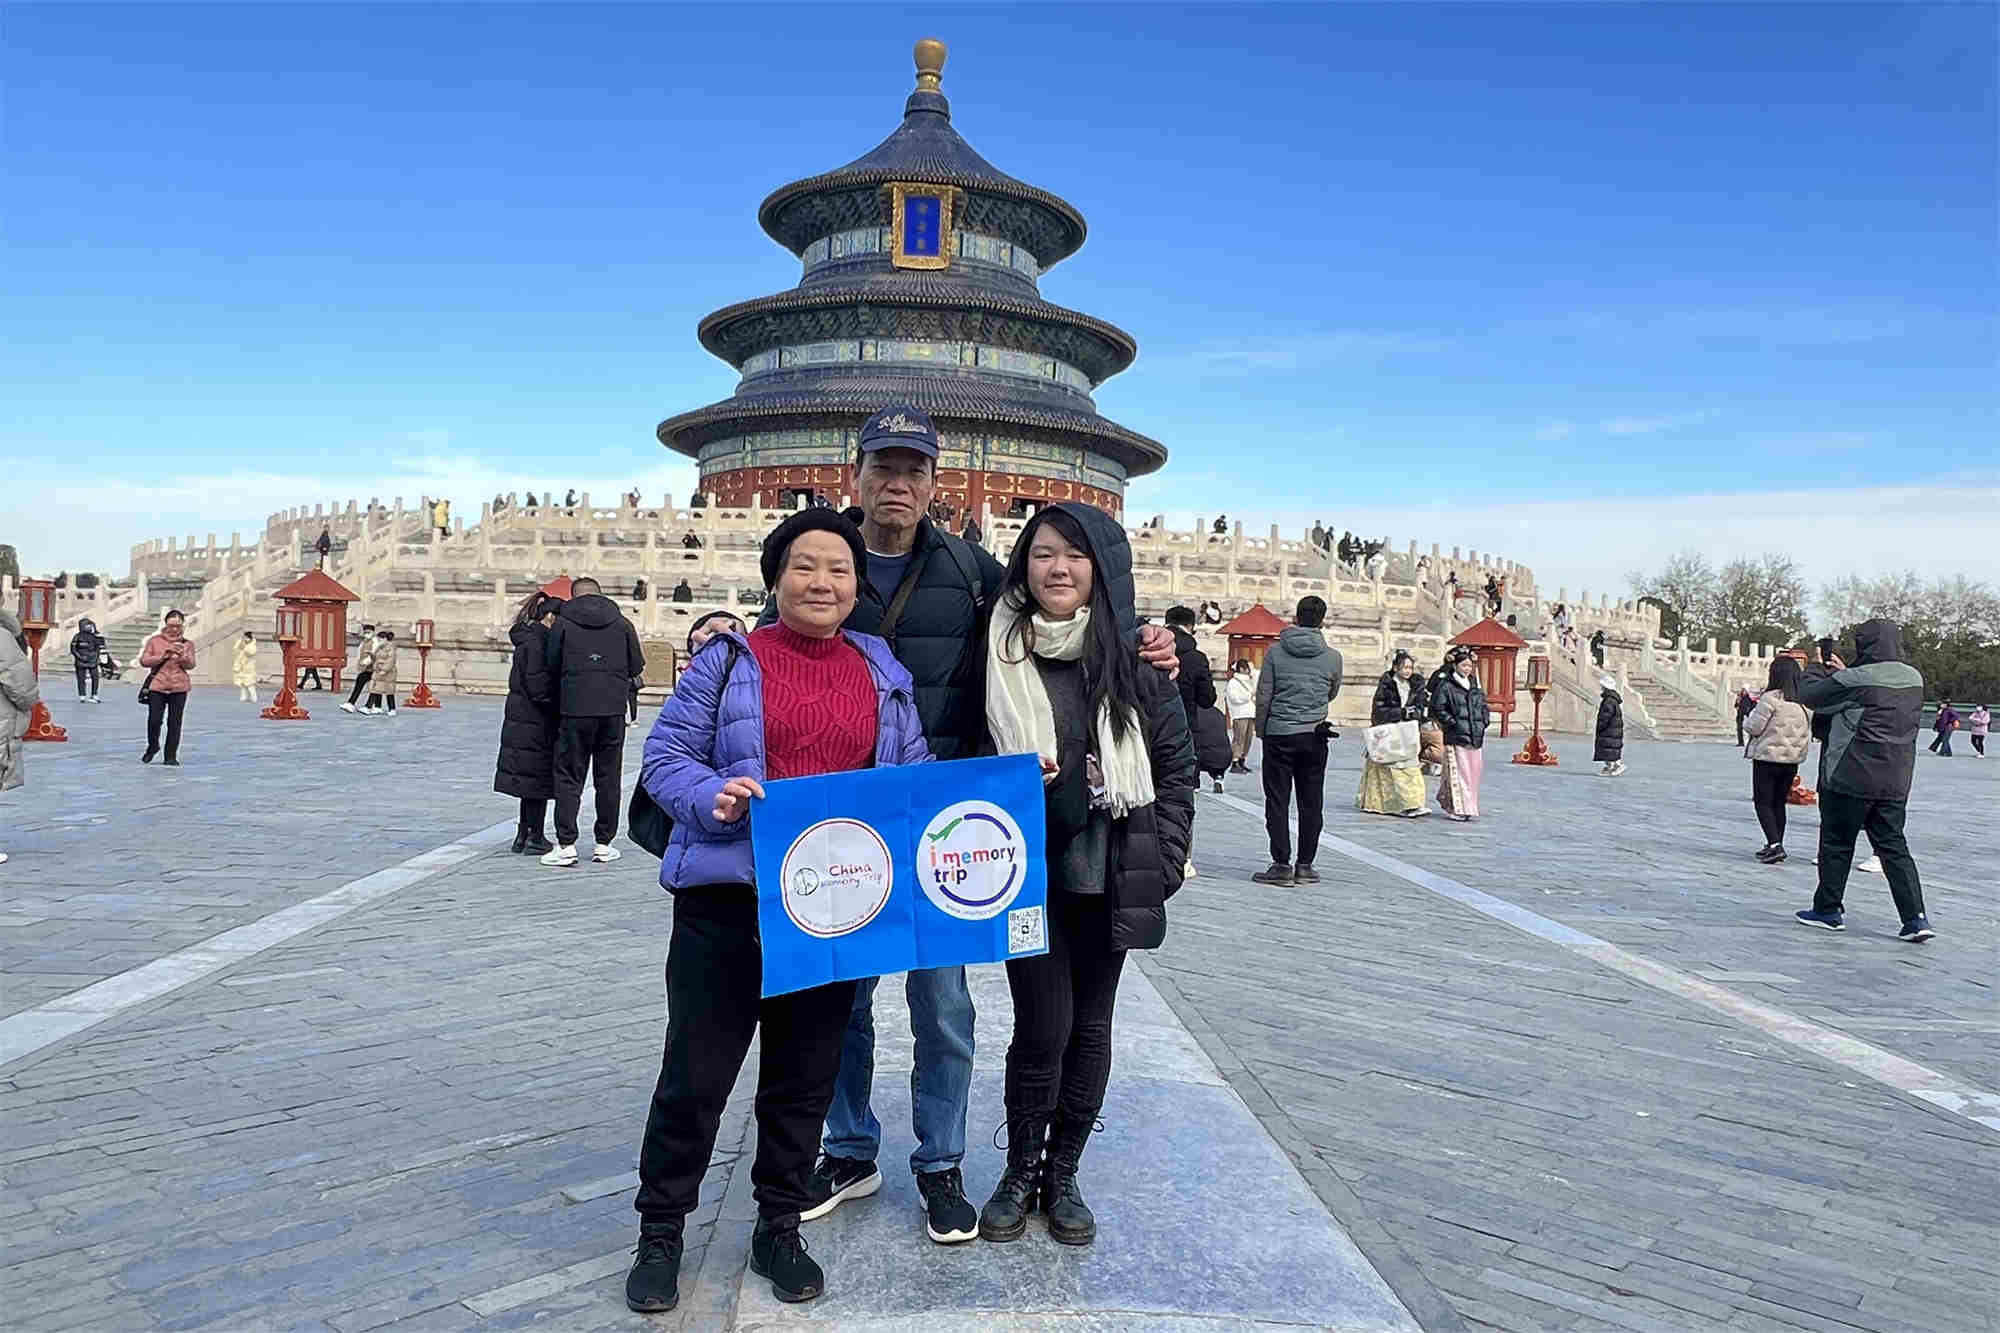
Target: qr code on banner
(1024,930)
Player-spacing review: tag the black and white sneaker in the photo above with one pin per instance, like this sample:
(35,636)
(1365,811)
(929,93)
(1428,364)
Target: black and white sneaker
(1916,930)
(949,1216)
(837,1179)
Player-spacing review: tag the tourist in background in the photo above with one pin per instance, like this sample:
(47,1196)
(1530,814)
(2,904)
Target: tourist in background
(1197,689)
(382,680)
(1610,747)
(1119,773)
(1394,789)
(1780,734)
(1222,525)
(843,702)
(168,658)
(683,593)
(594,662)
(1872,711)
(1239,700)
(1301,676)
(441,517)
(526,767)
(19,691)
(1980,719)
(86,649)
(364,668)
(1745,703)
(1458,704)
(1945,723)
(324,546)
(690,541)
(641,590)
(529,503)
(1597,648)
(243,668)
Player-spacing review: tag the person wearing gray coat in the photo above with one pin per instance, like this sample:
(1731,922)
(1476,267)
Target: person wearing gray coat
(18,692)
(1301,676)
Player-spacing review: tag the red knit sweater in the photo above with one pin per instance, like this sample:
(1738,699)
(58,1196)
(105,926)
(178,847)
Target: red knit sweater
(819,704)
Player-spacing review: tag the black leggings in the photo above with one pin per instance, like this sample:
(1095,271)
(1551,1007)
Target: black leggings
(1060,1058)
(1769,785)
(535,815)
(170,706)
(1978,744)
(375,701)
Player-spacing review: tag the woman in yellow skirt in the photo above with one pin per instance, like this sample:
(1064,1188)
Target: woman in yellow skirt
(1395,789)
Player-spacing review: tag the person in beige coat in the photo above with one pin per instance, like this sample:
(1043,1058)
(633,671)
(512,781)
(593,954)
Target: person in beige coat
(18,692)
(1780,733)
(382,684)
(243,669)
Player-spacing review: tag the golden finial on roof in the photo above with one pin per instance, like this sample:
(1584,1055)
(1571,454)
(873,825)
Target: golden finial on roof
(930,64)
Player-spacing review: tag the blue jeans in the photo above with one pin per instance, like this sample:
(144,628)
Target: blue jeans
(941,1018)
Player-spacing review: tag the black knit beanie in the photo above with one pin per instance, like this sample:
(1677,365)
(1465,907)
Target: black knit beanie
(810,520)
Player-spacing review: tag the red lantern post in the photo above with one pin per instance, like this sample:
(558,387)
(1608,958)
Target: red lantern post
(38,603)
(1537,751)
(285,708)
(421,697)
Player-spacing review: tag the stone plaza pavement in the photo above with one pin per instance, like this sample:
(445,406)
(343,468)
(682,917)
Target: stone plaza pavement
(291,1042)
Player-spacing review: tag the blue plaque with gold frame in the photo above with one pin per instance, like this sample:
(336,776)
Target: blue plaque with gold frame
(920,226)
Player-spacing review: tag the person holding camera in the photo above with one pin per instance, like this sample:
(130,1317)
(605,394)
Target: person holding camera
(1871,712)
(1301,677)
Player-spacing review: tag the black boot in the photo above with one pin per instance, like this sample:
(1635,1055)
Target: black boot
(654,1284)
(520,840)
(1070,1219)
(1005,1215)
(778,1252)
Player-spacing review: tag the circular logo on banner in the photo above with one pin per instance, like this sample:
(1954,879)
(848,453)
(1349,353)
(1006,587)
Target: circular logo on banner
(836,877)
(972,860)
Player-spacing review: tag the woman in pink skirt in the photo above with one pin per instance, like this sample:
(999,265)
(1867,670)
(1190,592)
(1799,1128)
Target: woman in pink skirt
(1458,705)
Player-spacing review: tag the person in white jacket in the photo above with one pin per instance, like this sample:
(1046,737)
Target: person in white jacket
(243,670)
(1780,733)
(1239,702)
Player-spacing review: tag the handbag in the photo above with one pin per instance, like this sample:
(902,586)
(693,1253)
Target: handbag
(146,688)
(1392,743)
(1430,743)
(645,822)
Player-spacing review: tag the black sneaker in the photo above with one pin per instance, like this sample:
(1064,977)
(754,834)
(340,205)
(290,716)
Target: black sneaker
(1916,930)
(654,1284)
(1821,920)
(1304,874)
(1277,874)
(949,1216)
(778,1252)
(835,1180)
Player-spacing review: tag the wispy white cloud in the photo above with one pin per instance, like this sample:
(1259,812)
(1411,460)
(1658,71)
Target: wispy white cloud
(1551,432)
(1278,353)
(59,521)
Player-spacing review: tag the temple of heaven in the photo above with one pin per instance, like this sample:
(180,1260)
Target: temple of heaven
(921,263)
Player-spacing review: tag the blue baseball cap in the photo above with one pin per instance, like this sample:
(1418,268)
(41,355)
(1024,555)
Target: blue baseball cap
(900,426)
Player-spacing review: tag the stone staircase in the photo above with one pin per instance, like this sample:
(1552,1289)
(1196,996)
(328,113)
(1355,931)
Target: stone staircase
(1678,719)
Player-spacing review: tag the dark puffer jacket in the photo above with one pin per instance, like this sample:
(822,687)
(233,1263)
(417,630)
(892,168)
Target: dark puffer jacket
(526,767)
(88,645)
(1388,705)
(1610,729)
(1149,847)
(1871,712)
(940,637)
(1461,710)
(594,657)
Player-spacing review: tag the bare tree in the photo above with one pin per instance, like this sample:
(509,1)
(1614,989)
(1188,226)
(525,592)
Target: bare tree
(1685,591)
(1758,601)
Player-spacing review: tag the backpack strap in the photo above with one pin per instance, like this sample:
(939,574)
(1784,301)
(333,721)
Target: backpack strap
(961,554)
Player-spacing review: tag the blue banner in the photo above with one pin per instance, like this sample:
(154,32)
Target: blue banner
(884,870)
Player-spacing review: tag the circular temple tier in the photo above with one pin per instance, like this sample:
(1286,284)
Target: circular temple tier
(920,272)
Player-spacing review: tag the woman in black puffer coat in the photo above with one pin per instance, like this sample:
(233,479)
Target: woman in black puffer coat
(1610,750)
(526,768)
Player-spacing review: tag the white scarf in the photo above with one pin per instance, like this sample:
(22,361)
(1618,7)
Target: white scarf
(1023,721)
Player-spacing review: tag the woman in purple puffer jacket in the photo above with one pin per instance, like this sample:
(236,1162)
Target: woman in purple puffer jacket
(794,699)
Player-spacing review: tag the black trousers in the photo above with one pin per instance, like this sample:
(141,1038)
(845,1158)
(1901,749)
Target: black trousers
(595,745)
(170,707)
(1978,744)
(1841,818)
(1295,763)
(1060,1058)
(318,684)
(1942,745)
(534,814)
(375,700)
(715,968)
(361,679)
(1769,784)
(86,681)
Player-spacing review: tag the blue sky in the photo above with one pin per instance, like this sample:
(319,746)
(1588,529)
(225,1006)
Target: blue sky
(1495,269)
